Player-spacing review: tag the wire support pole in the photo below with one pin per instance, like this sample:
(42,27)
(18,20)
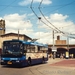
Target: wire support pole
(68,43)
(53,38)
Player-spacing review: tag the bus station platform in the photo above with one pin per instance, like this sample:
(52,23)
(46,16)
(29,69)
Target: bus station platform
(62,62)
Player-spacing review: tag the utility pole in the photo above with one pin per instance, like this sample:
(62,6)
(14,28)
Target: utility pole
(53,38)
(53,48)
(18,34)
(68,43)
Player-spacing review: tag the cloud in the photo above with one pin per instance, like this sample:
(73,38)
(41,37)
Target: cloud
(26,2)
(61,22)
(58,20)
(44,34)
(16,21)
(44,37)
(58,17)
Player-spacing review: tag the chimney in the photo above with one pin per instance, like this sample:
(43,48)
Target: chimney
(58,37)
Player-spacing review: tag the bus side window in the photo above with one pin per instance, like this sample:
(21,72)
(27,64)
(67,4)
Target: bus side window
(24,51)
(32,47)
(28,48)
(25,48)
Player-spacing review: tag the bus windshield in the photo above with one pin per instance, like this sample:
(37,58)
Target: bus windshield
(12,48)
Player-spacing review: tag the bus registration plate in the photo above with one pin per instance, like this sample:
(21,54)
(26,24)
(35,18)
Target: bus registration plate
(9,62)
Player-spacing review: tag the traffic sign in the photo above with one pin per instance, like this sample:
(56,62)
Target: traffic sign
(2,28)
(54,49)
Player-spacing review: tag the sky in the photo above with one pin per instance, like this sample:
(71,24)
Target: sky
(38,18)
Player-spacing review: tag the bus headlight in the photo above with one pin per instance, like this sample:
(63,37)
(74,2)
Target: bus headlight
(2,60)
(17,61)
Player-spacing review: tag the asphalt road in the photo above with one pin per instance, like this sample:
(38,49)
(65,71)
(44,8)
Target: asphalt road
(48,68)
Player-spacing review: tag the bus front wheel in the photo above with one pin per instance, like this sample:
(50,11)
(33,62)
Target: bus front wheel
(29,61)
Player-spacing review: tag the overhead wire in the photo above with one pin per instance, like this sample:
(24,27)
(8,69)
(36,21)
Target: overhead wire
(40,19)
(63,6)
(8,5)
(43,21)
(38,16)
(56,29)
(48,20)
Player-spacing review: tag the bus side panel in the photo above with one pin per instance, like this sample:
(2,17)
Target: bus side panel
(36,57)
(38,60)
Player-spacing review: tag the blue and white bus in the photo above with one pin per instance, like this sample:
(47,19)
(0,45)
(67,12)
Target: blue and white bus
(23,53)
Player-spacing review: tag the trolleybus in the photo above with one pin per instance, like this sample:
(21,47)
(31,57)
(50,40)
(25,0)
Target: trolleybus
(23,53)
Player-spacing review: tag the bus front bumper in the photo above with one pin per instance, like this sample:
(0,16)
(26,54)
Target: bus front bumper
(10,62)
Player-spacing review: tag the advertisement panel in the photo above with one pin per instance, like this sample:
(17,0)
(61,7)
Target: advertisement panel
(67,54)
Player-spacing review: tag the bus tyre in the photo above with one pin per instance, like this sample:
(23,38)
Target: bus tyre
(29,61)
(43,60)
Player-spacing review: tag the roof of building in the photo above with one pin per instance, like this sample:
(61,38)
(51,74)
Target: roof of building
(15,35)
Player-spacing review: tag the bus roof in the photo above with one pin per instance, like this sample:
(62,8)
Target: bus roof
(39,44)
(28,43)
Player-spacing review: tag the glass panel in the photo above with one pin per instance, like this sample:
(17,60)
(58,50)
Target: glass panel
(12,48)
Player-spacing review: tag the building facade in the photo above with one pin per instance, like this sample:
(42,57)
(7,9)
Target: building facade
(62,47)
(11,36)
